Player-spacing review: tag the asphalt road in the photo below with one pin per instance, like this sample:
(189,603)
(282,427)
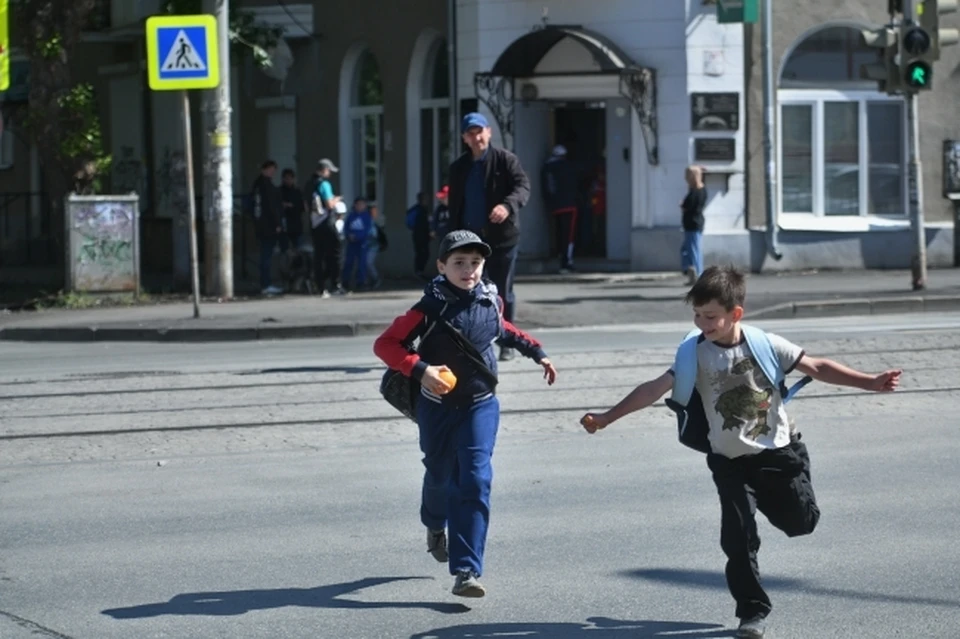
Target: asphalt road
(265,490)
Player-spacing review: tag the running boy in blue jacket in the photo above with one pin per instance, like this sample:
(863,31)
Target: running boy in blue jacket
(458,427)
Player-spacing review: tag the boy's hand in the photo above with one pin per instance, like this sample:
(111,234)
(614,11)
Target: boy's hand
(592,422)
(432,381)
(885,382)
(549,372)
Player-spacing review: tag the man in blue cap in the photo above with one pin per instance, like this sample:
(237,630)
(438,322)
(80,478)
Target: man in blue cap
(488,187)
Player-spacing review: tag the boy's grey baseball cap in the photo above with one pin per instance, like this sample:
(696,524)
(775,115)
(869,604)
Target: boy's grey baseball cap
(459,239)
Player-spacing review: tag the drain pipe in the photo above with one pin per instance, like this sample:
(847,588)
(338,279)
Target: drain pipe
(454,78)
(769,130)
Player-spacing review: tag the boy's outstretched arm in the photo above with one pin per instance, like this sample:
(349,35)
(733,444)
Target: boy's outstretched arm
(642,396)
(513,337)
(831,372)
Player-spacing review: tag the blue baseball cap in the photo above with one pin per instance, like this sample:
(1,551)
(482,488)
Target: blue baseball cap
(471,120)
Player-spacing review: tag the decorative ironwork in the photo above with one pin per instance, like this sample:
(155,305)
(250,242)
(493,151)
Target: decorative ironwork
(496,92)
(640,87)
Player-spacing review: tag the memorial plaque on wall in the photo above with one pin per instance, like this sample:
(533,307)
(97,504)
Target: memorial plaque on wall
(715,111)
(951,169)
(714,149)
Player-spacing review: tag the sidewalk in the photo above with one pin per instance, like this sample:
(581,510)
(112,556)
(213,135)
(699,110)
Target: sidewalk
(544,301)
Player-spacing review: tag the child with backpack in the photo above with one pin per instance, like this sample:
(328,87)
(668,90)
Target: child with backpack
(729,395)
(457,322)
(356,232)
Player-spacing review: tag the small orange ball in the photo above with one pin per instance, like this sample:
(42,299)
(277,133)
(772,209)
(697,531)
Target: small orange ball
(449,379)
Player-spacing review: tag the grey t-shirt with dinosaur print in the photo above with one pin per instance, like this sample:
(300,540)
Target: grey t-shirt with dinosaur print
(745,410)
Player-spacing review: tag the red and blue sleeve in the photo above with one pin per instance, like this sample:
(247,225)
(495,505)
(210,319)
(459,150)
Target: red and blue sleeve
(391,345)
(513,337)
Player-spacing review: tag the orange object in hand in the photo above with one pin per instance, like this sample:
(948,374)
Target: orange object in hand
(449,379)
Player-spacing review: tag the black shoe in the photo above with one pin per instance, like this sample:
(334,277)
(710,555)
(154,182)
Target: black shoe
(752,628)
(507,354)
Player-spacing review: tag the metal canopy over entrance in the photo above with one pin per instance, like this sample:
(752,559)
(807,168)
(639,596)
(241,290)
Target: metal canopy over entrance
(521,59)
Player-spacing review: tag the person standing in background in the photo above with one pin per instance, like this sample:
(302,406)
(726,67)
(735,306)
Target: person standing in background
(488,187)
(267,216)
(293,210)
(559,181)
(326,239)
(691,253)
(375,243)
(418,221)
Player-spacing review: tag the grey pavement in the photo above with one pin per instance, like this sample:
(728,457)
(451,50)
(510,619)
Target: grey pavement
(544,301)
(201,490)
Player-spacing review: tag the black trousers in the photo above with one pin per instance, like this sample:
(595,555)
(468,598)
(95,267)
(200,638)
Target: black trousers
(500,269)
(421,253)
(326,258)
(776,482)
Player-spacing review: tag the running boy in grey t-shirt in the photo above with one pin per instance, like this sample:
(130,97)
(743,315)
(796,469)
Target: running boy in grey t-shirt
(757,458)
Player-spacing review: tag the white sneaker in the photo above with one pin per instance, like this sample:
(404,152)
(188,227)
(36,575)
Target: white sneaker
(272,290)
(467,585)
(325,295)
(437,545)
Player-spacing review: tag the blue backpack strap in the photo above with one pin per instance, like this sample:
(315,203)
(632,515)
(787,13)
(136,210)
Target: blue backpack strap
(685,369)
(769,363)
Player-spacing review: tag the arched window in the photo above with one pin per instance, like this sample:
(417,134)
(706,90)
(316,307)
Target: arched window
(435,119)
(366,126)
(842,143)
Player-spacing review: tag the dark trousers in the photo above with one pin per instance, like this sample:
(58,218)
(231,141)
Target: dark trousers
(355,258)
(266,260)
(500,267)
(777,482)
(421,253)
(566,227)
(326,258)
(457,445)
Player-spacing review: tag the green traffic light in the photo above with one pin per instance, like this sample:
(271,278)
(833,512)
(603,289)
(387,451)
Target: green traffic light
(918,74)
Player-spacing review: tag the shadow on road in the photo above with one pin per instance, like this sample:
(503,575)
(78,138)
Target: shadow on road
(599,627)
(716,580)
(238,602)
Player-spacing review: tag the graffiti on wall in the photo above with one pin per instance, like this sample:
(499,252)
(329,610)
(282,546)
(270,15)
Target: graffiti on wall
(127,171)
(102,236)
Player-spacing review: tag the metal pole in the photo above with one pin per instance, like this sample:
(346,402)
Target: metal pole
(918,263)
(769,130)
(218,165)
(454,123)
(191,204)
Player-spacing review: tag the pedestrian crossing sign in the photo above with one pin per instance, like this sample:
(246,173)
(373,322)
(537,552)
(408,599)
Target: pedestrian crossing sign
(182,52)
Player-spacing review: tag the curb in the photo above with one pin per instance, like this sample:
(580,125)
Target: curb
(86,334)
(859,306)
(789,310)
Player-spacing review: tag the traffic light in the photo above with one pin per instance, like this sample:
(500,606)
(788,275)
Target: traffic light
(884,70)
(915,65)
(928,14)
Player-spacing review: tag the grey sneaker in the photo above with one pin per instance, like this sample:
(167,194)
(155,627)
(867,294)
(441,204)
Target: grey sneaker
(467,585)
(751,628)
(507,354)
(437,545)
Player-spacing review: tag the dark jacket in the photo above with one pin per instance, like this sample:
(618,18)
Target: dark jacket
(505,183)
(440,221)
(266,207)
(292,209)
(693,206)
(560,184)
(476,314)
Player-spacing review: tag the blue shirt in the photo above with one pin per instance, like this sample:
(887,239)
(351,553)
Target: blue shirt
(325,191)
(358,226)
(475,213)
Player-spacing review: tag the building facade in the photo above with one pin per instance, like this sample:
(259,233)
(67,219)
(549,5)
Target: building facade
(636,92)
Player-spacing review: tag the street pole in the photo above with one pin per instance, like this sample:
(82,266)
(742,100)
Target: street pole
(918,264)
(218,165)
(191,203)
(769,131)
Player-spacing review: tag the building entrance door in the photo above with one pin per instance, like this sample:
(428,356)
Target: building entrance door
(581,128)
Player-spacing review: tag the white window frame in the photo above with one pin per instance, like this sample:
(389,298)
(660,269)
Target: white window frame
(817,219)
(357,156)
(435,105)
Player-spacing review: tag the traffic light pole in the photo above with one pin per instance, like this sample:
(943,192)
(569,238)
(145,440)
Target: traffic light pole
(918,264)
